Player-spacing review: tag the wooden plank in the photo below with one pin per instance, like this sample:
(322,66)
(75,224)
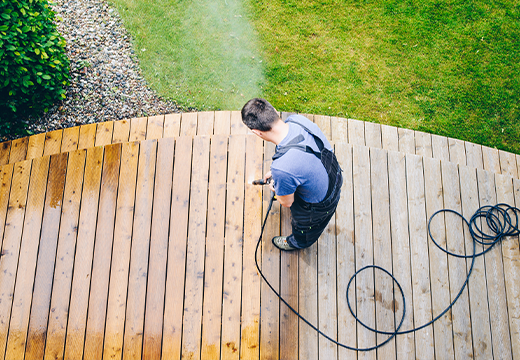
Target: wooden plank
(479,309)
(323,123)
(491,159)
(28,254)
(233,248)
(87,136)
(156,285)
(402,268)
(205,122)
(270,309)
(57,324)
(176,271)
(438,260)
(384,294)
(6,174)
(460,312)
(188,124)
(38,319)
(345,257)
(155,127)
(513,305)
(440,147)
(192,319)
(70,139)
(139,256)
(422,311)
(18,150)
(84,252)
(423,144)
(327,297)
(11,245)
(356,132)
(339,129)
(506,194)
(250,340)
(390,138)
(364,249)
(289,292)
(214,262)
(121,131)
(237,126)
(457,151)
(507,163)
(222,124)
(102,253)
(373,136)
(104,132)
(518,162)
(500,335)
(406,140)
(52,142)
(138,129)
(5,149)
(116,307)
(474,155)
(172,125)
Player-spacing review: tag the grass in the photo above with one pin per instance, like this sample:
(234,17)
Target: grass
(198,53)
(446,67)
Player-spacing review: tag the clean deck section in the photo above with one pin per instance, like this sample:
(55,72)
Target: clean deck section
(144,248)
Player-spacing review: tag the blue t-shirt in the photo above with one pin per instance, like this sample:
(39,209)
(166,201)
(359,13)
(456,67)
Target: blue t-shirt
(299,172)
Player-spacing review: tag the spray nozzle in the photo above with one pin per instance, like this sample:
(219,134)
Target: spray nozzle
(261,181)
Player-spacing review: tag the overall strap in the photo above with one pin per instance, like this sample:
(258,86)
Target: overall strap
(295,144)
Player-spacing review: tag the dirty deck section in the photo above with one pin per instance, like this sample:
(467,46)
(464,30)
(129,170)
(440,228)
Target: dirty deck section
(144,249)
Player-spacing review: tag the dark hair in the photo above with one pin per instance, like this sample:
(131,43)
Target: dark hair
(259,114)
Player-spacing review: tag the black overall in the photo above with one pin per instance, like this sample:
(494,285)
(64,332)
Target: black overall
(310,219)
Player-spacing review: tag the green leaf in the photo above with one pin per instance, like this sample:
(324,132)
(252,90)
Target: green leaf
(46,77)
(37,51)
(6,16)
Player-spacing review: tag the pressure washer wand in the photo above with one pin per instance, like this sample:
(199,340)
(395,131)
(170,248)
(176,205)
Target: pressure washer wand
(261,182)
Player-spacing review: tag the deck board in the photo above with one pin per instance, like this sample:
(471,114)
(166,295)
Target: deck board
(214,258)
(249,342)
(57,325)
(383,285)
(270,266)
(155,288)
(440,286)
(84,251)
(38,320)
(96,315)
(116,307)
(232,285)
(365,297)
(28,254)
(149,252)
(139,256)
(11,245)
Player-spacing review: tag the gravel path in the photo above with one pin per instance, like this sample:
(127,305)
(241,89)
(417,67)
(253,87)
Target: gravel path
(106,82)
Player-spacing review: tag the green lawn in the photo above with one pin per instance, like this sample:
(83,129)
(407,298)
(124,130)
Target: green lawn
(450,68)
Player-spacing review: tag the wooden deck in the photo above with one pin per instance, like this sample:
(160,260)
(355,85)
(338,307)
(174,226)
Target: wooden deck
(135,240)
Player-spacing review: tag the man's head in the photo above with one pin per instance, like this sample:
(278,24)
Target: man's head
(258,114)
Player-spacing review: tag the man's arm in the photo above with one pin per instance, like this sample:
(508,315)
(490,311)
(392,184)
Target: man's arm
(286,200)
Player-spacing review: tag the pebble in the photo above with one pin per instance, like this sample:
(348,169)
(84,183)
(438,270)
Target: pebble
(106,81)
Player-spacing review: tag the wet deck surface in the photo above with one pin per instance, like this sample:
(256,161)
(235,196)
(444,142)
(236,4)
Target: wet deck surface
(141,245)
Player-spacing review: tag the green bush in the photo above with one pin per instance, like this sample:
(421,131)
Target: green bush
(34,67)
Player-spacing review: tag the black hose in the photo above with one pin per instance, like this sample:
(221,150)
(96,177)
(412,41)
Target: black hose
(498,219)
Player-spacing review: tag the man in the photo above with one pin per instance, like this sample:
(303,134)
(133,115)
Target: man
(305,174)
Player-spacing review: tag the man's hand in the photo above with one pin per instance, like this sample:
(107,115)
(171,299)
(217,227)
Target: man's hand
(286,200)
